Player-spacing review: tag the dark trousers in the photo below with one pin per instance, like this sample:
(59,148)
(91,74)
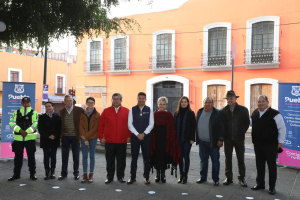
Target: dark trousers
(68,141)
(50,153)
(135,149)
(18,160)
(239,146)
(184,160)
(115,151)
(265,154)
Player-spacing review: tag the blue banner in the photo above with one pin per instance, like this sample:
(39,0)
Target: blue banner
(289,107)
(12,94)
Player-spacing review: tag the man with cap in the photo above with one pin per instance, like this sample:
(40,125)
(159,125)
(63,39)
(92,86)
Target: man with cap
(268,135)
(236,125)
(24,123)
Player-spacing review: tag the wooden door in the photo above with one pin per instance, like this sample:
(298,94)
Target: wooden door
(256,91)
(217,93)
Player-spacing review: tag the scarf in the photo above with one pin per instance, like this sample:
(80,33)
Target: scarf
(88,112)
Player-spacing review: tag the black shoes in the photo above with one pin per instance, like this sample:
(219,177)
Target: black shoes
(14,177)
(76,177)
(257,187)
(121,180)
(130,181)
(147,181)
(61,177)
(157,177)
(227,181)
(163,176)
(272,190)
(52,176)
(107,181)
(243,183)
(184,180)
(33,177)
(216,183)
(47,174)
(201,181)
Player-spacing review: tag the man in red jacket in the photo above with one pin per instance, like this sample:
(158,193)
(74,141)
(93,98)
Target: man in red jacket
(114,133)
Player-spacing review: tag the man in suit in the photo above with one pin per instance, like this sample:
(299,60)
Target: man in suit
(70,117)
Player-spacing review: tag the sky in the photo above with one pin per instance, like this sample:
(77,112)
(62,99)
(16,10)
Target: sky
(124,9)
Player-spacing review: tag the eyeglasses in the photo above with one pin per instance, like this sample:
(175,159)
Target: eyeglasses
(116,99)
(90,102)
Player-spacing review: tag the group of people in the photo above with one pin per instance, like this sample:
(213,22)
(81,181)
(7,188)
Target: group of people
(165,139)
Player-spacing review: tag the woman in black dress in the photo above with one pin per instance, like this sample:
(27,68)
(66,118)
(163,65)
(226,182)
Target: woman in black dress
(164,144)
(185,124)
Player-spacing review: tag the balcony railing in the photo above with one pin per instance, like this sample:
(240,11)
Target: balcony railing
(216,60)
(60,90)
(93,68)
(262,56)
(162,62)
(118,65)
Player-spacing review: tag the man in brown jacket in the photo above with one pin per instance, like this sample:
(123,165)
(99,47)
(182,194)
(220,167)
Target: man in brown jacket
(70,136)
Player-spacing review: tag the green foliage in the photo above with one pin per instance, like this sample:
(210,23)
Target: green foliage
(38,22)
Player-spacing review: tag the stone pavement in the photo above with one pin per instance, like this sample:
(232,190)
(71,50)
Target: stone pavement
(288,183)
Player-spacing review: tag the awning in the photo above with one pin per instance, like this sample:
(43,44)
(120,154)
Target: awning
(57,99)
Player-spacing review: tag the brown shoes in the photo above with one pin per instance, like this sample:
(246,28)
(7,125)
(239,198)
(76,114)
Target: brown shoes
(84,179)
(90,178)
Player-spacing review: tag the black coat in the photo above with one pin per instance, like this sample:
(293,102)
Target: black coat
(216,127)
(49,126)
(190,127)
(236,124)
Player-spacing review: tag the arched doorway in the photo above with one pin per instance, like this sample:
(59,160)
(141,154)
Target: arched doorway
(172,90)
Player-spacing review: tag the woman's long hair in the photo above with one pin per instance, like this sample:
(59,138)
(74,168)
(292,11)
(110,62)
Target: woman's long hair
(179,104)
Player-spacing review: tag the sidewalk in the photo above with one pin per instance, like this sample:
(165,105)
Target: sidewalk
(288,182)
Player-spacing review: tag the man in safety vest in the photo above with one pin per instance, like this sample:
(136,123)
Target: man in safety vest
(24,123)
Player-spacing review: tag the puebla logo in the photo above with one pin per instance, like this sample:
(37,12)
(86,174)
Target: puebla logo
(19,88)
(296,90)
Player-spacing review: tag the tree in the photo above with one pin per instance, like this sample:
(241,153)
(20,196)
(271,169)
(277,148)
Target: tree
(38,22)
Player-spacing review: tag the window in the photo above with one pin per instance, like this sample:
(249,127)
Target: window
(60,84)
(95,55)
(94,62)
(163,55)
(217,46)
(14,75)
(119,62)
(164,50)
(262,47)
(216,54)
(120,54)
(262,42)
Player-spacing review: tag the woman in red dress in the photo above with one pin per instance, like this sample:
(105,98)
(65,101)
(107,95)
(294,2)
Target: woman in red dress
(164,144)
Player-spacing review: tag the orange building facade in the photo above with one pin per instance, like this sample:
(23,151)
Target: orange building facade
(188,51)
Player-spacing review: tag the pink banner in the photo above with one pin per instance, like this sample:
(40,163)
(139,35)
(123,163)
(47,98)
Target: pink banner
(289,157)
(6,151)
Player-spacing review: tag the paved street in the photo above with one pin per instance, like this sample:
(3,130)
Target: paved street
(288,183)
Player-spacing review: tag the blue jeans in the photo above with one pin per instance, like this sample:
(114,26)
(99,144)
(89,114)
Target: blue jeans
(92,145)
(204,152)
(184,160)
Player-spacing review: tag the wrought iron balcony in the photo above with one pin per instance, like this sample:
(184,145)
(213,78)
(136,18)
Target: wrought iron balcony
(93,68)
(162,63)
(262,56)
(60,90)
(216,62)
(118,66)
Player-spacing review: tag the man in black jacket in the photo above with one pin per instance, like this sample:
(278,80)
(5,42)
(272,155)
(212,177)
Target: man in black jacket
(237,122)
(49,129)
(210,123)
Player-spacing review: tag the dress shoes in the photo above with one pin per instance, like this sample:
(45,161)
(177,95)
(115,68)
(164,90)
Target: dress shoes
(33,177)
(184,180)
(216,183)
(76,177)
(243,183)
(130,181)
(14,177)
(61,177)
(121,180)
(201,181)
(107,181)
(180,179)
(227,181)
(272,190)
(257,187)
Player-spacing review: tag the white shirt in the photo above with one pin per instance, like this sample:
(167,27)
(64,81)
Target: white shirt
(117,109)
(148,129)
(69,111)
(279,123)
